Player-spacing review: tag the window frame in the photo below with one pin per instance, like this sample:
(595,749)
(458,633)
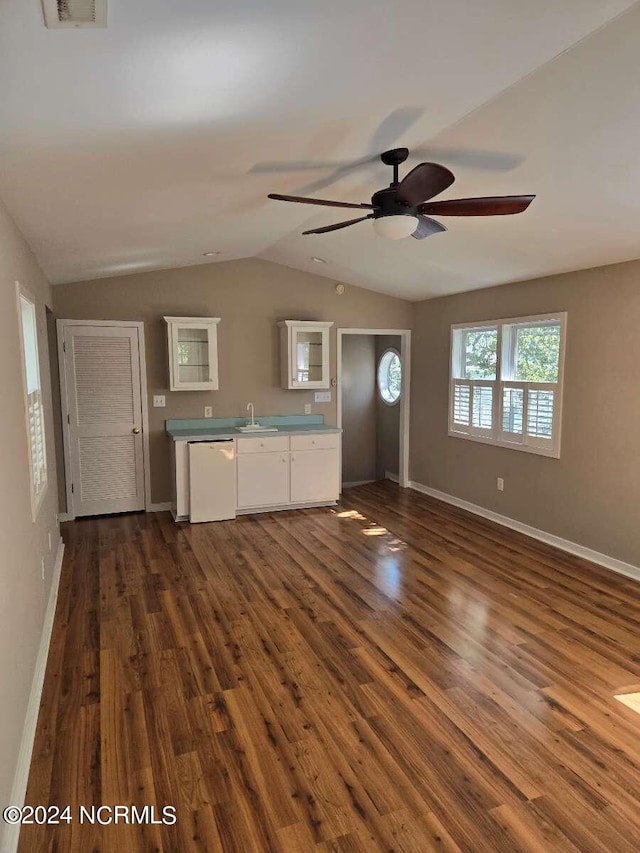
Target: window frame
(505,368)
(395,352)
(37,496)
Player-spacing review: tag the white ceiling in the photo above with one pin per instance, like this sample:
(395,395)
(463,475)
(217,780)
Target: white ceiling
(146,144)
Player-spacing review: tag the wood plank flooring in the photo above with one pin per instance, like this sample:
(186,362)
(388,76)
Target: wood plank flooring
(389,675)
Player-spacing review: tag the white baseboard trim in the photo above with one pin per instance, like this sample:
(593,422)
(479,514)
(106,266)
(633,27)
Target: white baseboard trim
(605,560)
(64,516)
(354,483)
(393,477)
(9,837)
(162,507)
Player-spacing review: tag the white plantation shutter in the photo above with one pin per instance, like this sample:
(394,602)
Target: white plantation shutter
(540,413)
(36,441)
(528,414)
(462,403)
(473,406)
(33,401)
(482,407)
(512,410)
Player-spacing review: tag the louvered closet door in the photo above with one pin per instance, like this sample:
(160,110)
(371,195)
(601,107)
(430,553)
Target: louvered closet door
(102,365)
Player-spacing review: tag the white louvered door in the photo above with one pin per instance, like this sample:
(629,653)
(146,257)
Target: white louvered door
(102,371)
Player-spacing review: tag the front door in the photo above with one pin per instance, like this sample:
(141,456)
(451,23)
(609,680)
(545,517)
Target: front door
(104,418)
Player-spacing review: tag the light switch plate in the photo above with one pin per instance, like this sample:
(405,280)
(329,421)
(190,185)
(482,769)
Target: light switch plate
(158,401)
(323,396)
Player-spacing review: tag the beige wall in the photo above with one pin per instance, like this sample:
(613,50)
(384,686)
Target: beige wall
(591,495)
(250,296)
(387,419)
(359,421)
(23,592)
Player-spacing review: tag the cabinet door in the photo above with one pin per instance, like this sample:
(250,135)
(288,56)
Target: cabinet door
(310,368)
(193,354)
(305,354)
(263,479)
(314,476)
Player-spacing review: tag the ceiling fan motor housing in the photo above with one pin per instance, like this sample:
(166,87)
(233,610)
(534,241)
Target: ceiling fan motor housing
(386,203)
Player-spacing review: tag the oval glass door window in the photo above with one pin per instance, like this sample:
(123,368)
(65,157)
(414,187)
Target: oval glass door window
(390,376)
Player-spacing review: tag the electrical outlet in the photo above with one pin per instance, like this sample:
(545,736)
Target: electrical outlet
(307,408)
(159,401)
(323,396)
(208,411)
(500,484)
(42,566)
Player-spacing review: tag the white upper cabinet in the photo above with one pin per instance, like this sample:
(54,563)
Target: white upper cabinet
(193,353)
(305,354)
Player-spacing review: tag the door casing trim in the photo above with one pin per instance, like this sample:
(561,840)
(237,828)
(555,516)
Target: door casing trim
(144,401)
(405,397)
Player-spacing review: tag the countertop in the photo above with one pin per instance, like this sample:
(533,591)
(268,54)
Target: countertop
(196,430)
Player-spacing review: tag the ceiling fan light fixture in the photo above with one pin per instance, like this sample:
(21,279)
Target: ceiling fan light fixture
(395,227)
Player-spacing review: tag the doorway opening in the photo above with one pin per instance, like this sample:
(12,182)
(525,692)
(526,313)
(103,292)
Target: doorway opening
(373,387)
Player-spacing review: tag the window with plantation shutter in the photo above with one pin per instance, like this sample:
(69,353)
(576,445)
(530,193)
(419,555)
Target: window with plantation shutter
(33,400)
(506,382)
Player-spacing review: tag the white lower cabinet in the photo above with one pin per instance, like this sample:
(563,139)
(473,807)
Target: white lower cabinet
(315,463)
(263,479)
(314,476)
(272,471)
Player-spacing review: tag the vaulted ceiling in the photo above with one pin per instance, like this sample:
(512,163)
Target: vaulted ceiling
(156,140)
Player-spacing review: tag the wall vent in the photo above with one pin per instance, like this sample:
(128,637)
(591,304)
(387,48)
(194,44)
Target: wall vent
(65,14)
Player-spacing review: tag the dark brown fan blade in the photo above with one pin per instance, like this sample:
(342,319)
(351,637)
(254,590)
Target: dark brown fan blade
(427,227)
(338,225)
(321,201)
(490,206)
(423,182)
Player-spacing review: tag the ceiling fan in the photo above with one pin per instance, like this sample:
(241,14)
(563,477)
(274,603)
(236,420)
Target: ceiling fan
(399,210)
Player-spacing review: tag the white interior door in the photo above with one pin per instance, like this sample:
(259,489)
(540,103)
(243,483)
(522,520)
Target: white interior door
(102,373)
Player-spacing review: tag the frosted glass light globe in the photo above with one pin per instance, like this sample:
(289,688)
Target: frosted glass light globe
(395,227)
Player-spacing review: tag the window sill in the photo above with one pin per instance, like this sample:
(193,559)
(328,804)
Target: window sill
(553,453)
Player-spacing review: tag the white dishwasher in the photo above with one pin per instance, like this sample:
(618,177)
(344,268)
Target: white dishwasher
(213,480)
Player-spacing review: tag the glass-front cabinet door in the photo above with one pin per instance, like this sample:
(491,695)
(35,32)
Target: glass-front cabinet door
(305,354)
(193,353)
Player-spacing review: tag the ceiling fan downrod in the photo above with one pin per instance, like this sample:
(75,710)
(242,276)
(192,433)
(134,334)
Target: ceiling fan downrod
(393,158)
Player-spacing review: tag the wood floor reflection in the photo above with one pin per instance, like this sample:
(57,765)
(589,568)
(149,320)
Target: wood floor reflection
(389,674)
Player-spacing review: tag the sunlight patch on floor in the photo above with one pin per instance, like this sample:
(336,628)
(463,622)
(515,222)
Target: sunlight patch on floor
(631,700)
(373,529)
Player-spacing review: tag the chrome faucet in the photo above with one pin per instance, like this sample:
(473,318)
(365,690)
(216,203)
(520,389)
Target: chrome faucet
(250,408)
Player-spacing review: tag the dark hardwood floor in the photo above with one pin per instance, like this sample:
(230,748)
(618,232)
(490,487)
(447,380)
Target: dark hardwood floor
(390,674)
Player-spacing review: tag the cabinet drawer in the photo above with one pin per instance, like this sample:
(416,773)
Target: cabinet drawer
(264,444)
(315,441)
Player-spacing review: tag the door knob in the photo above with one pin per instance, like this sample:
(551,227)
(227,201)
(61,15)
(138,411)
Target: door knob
(135,430)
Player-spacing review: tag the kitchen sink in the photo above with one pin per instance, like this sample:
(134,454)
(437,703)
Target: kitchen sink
(257,428)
